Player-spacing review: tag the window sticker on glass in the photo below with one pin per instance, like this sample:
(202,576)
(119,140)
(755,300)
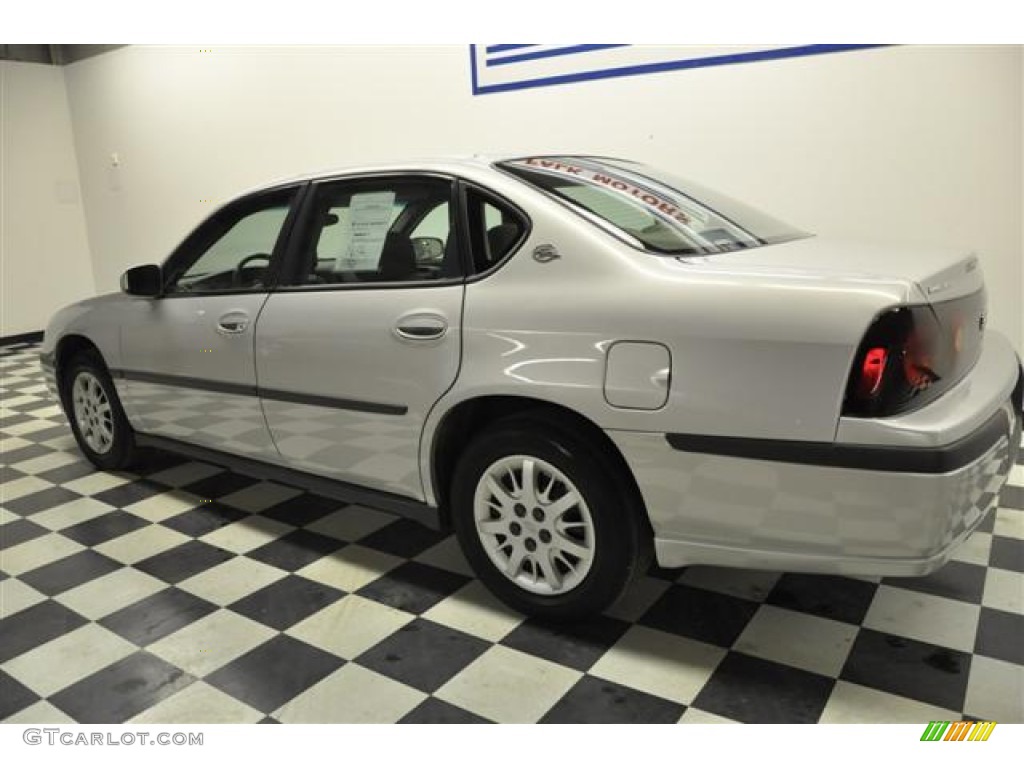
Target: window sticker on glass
(370,216)
(675,209)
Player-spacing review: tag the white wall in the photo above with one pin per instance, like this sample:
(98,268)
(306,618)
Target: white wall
(905,144)
(44,251)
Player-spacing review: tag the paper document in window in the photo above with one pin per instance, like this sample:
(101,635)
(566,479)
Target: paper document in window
(370,215)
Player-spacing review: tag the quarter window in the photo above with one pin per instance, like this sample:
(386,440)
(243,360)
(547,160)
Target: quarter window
(495,229)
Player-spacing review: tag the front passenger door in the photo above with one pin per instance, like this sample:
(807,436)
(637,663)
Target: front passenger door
(188,355)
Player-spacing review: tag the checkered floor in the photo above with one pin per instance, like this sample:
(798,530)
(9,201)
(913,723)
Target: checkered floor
(189,594)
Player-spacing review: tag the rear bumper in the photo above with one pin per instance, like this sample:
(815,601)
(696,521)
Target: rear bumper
(897,506)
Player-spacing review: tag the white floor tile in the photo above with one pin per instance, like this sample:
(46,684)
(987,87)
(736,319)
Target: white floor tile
(995,691)
(232,580)
(928,618)
(1004,590)
(211,642)
(352,694)
(246,535)
(507,686)
(163,506)
(36,552)
(138,545)
(851,703)
(199,704)
(798,639)
(350,626)
(16,596)
(53,666)
(658,663)
(351,523)
(107,594)
(477,612)
(71,513)
(350,568)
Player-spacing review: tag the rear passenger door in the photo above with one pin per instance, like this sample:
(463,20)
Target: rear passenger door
(364,334)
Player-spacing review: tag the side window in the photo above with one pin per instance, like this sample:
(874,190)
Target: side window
(495,229)
(380,231)
(233,251)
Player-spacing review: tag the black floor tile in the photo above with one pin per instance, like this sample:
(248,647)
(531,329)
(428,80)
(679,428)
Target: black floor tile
(14,696)
(69,572)
(19,531)
(34,626)
(129,493)
(286,601)
(1000,635)
(51,433)
(27,452)
(757,691)
(577,644)
(204,519)
(436,712)
(157,616)
(8,473)
(403,538)
(1007,554)
(989,521)
(1012,496)
(593,700)
(183,561)
(302,510)
(832,597)
(700,614)
(295,550)
(274,673)
(423,654)
(956,580)
(921,671)
(104,528)
(152,460)
(68,472)
(48,498)
(413,587)
(122,690)
(216,486)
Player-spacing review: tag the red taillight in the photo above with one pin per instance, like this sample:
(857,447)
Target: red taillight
(871,371)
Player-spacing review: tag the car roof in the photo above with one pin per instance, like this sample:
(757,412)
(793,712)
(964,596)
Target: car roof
(448,164)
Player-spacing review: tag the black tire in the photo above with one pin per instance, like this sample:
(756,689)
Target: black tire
(122,451)
(621,542)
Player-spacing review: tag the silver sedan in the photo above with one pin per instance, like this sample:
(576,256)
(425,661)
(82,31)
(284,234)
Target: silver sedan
(576,363)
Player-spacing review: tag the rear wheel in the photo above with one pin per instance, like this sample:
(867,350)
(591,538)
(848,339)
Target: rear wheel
(543,522)
(94,410)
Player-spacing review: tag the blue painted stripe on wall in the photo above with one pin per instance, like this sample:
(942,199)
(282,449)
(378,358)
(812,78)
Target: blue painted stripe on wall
(663,66)
(508,47)
(547,53)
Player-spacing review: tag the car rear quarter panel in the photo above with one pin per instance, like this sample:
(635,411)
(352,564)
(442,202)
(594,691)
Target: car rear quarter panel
(755,352)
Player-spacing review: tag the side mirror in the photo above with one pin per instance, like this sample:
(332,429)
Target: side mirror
(143,281)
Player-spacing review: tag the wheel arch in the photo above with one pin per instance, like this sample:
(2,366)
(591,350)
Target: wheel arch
(67,349)
(470,417)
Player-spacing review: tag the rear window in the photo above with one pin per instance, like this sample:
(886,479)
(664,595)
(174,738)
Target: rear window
(663,213)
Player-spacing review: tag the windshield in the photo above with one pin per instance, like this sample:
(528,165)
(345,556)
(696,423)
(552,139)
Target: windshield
(664,213)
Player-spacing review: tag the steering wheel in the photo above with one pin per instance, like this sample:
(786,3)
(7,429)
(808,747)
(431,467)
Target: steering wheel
(238,275)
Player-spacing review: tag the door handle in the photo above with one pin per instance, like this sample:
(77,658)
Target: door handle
(232,323)
(421,327)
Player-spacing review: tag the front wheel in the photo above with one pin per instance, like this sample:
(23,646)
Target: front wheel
(97,418)
(542,521)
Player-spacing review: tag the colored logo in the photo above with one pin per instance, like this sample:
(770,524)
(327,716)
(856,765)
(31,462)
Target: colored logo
(937,730)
